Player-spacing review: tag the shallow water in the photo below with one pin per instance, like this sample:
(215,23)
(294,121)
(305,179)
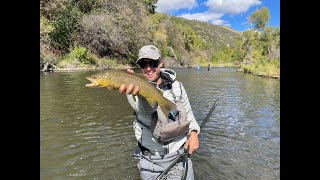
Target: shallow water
(87,133)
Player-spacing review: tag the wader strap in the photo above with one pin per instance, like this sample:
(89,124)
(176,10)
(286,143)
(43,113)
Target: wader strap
(139,121)
(174,96)
(145,151)
(142,123)
(142,148)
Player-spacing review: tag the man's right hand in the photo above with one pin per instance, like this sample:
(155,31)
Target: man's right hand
(129,90)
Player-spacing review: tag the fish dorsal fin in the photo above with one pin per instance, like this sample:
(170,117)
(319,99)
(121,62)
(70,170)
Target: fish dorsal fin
(151,102)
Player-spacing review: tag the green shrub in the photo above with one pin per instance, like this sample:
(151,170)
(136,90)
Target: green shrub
(151,5)
(191,41)
(65,23)
(86,6)
(45,27)
(263,60)
(276,62)
(79,53)
(157,18)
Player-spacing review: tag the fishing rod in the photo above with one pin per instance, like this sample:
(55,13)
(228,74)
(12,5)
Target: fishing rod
(172,164)
(186,153)
(208,115)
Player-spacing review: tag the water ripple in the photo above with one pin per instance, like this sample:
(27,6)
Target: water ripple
(87,133)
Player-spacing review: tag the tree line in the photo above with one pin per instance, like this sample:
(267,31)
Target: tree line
(98,33)
(257,51)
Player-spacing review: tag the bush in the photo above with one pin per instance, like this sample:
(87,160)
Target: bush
(65,23)
(79,53)
(45,28)
(86,6)
(151,5)
(191,41)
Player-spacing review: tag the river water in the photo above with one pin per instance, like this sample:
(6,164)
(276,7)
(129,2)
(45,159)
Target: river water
(87,133)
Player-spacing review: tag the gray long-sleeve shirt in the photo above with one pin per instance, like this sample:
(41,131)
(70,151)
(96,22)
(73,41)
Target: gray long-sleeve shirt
(144,113)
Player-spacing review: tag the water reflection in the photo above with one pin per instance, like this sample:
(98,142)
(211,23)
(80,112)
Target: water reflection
(87,133)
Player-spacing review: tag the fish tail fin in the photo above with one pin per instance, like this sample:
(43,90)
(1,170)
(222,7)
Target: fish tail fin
(167,107)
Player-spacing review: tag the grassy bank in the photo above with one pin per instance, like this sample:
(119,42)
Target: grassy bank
(81,59)
(270,69)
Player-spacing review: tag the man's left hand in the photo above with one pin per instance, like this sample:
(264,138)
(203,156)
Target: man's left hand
(192,143)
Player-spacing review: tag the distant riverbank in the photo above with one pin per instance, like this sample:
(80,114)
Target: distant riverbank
(240,69)
(254,69)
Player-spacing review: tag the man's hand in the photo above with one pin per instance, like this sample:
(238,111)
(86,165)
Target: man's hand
(129,90)
(192,143)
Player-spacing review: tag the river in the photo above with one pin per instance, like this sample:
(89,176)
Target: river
(87,133)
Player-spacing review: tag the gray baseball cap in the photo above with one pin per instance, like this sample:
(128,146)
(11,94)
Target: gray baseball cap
(149,52)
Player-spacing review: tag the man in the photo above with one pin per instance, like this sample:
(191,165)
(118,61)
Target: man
(154,157)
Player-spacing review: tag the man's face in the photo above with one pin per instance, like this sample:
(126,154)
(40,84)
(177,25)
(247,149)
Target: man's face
(150,68)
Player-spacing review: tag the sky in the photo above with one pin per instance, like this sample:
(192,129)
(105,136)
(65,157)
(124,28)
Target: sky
(231,13)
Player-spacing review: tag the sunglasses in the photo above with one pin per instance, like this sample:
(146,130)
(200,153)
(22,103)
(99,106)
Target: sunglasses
(151,63)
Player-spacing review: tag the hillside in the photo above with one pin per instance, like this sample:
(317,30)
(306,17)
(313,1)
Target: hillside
(210,37)
(99,33)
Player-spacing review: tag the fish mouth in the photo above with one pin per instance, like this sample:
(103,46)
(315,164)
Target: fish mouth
(92,84)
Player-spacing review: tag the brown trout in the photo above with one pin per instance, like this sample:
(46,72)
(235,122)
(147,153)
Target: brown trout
(112,79)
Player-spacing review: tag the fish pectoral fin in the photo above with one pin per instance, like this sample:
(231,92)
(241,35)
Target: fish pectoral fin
(110,87)
(151,102)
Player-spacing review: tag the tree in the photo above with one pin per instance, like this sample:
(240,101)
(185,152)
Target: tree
(151,5)
(270,40)
(250,41)
(259,18)
(65,23)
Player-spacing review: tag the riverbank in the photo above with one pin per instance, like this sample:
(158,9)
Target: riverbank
(267,71)
(258,74)
(84,69)
(242,69)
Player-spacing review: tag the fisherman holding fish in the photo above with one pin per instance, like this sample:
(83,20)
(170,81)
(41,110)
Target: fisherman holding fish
(158,148)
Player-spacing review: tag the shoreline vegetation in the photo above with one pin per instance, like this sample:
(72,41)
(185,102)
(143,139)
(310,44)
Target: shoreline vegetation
(94,35)
(53,68)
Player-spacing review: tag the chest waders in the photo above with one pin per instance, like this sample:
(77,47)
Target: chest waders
(185,154)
